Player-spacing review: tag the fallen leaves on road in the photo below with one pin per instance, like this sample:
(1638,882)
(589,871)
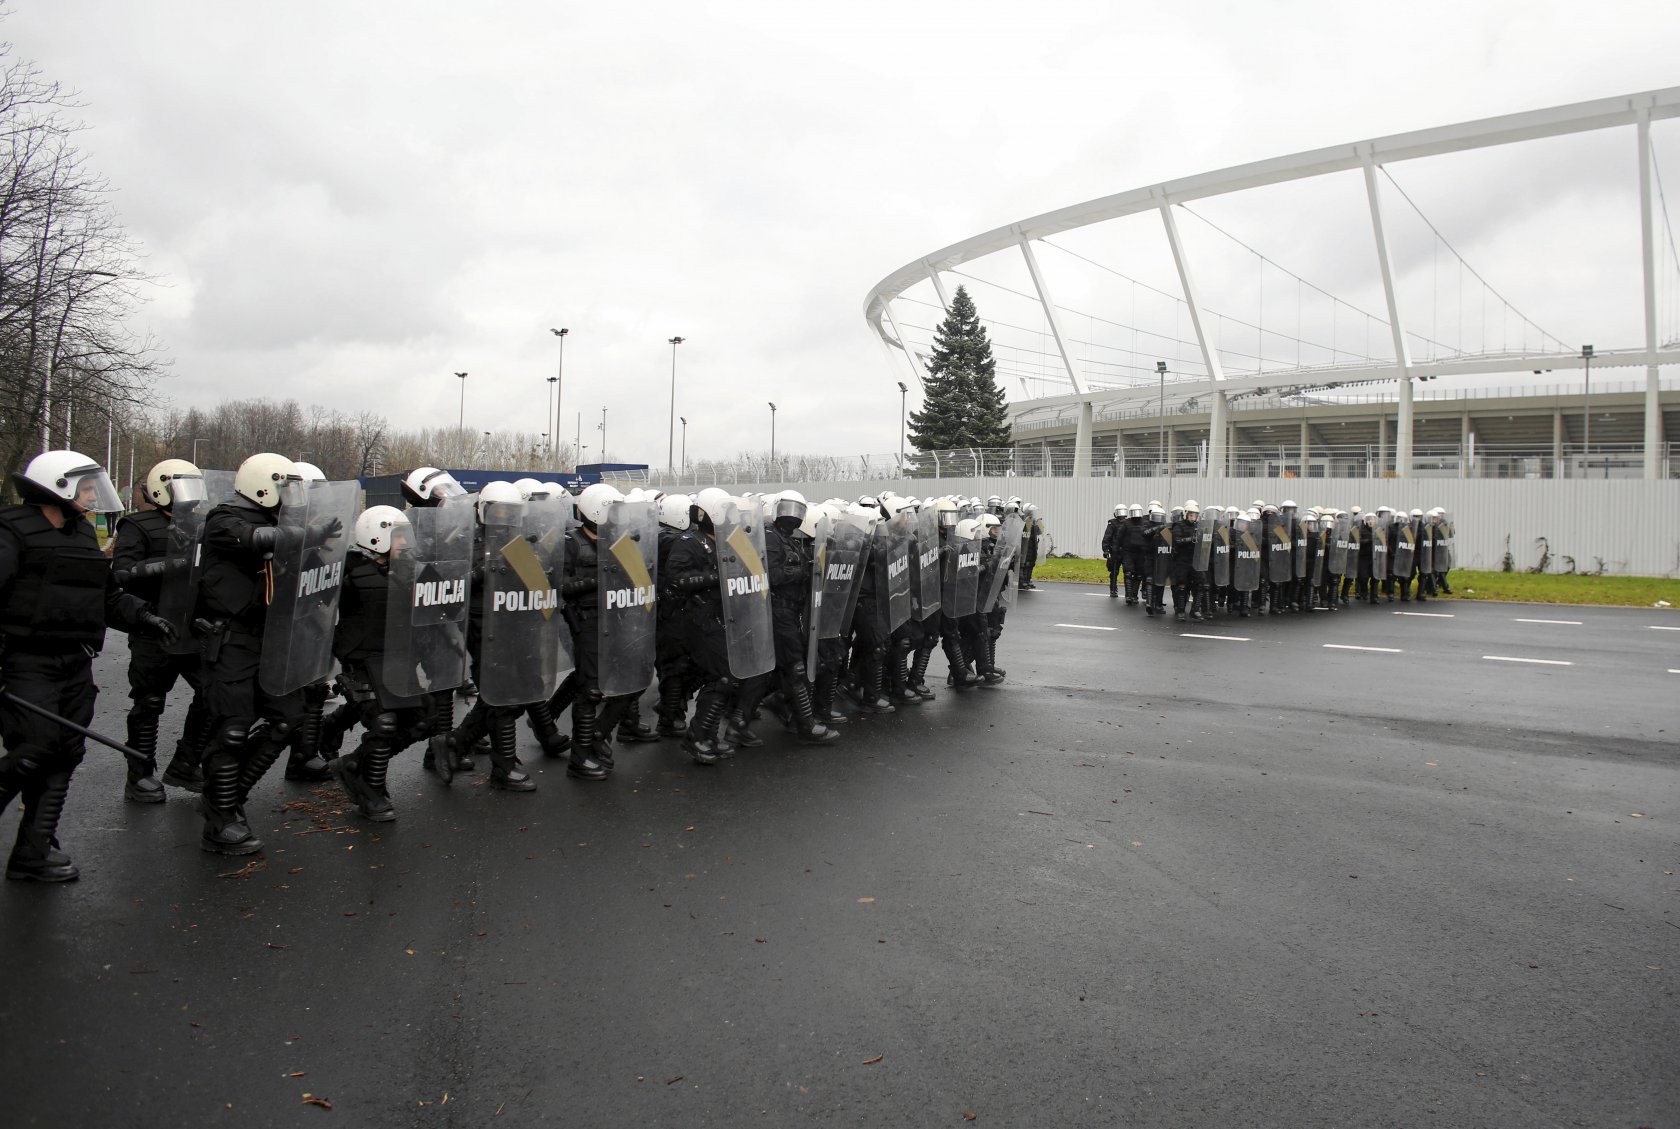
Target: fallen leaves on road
(311,1099)
(969,1115)
(247,870)
(876,1059)
(866,901)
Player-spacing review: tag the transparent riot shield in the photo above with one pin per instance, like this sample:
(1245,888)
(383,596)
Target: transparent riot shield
(1379,551)
(822,529)
(183,554)
(895,543)
(1341,532)
(1320,546)
(1245,554)
(1161,552)
(315,524)
(427,601)
(1203,556)
(1005,555)
(1305,544)
(866,526)
(745,586)
(625,596)
(1279,549)
(1425,552)
(1219,558)
(962,568)
(523,637)
(1445,551)
(1402,553)
(926,582)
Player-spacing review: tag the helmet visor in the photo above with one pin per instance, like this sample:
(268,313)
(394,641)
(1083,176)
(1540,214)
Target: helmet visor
(789,507)
(186,488)
(440,486)
(89,487)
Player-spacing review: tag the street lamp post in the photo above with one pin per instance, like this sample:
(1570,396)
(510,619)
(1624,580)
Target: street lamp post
(684,421)
(196,442)
(772,404)
(1586,409)
(603,435)
(1161,440)
(903,407)
(670,429)
(559,386)
(461,417)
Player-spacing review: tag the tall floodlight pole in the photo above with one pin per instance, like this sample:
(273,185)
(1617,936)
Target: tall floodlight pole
(903,407)
(559,386)
(1586,408)
(1161,369)
(603,435)
(461,418)
(772,404)
(670,428)
(684,421)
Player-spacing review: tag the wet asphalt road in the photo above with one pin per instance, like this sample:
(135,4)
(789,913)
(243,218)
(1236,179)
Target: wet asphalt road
(1153,880)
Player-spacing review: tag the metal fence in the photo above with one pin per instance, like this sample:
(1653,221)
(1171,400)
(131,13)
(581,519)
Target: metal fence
(1283,460)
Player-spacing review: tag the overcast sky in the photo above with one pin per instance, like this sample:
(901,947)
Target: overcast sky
(347,202)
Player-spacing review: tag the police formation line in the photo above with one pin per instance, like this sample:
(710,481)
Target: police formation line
(1276,558)
(252,587)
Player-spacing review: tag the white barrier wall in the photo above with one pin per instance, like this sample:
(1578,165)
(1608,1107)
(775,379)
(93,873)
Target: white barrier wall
(1632,524)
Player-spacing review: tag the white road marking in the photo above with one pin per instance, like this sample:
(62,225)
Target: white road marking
(1351,647)
(1542,662)
(1087,627)
(1429,615)
(1227,638)
(1571,622)
(1654,627)
(1671,671)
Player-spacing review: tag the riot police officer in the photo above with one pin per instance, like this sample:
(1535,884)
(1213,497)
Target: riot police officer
(137,562)
(1111,549)
(56,596)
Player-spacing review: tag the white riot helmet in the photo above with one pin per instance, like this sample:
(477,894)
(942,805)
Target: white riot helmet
(790,503)
(1191,509)
(497,494)
(309,472)
(174,480)
(673,511)
(968,529)
(1120,509)
(1288,504)
(424,486)
(593,502)
(1134,510)
(1231,511)
(1156,513)
(1415,513)
(947,511)
(814,514)
(989,522)
(379,528)
(68,476)
(713,503)
(262,477)
(527,487)
(869,500)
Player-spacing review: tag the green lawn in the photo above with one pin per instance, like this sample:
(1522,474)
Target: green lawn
(1517,587)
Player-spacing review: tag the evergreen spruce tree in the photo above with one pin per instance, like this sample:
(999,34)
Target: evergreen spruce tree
(962,406)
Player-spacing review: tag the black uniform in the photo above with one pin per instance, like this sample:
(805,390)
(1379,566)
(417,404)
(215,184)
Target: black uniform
(1029,550)
(498,723)
(1185,534)
(392,721)
(56,596)
(787,563)
(693,579)
(679,678)
(142,539)
(1111,553)
(593,714)
(1134,557)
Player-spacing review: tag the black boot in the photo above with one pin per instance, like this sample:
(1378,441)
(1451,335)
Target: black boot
(870,699)
(993,673)
(822,699)
(809,730)
(142,786)
(506,771)
(35,856)
(631,729)
(918,673)
(362,775)
(673,707)
(540,717)
(700,742)
(225,830)
(185,769)
(736,731)
(896,677)
(305,762)
(961,677)
(583,764)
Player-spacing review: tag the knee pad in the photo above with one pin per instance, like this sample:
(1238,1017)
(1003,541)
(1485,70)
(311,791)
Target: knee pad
(233,734)
(150,703)
(383,725)
(280,730)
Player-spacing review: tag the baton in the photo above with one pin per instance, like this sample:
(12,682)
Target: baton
(131,754)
